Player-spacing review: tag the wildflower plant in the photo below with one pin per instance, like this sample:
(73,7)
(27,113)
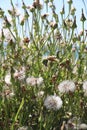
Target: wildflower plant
(43,68)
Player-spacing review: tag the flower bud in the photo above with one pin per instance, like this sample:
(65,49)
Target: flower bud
(53,25)
(72,10)
(74,23)
(69,1)
(83,19)
(62,11)
(1,13)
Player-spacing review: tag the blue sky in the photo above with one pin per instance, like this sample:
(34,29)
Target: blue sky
(78,4)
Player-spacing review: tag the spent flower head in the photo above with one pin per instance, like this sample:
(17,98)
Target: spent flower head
(22,19)
(69,1)
(83,126)
(66,86)
(72,11)
(85,85)
(53,102)
(68,23)
(23,128)
(37,4)
(14,12)
(8,79)
(34,81)
(9,94)
(20,74)
(44,16)
(85,88)
(40,94)
(31,8)
(53,25)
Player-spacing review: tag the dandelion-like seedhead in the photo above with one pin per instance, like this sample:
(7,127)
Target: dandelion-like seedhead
(40,94)
(53,102)
(32,81)
(10,95)
(75,124)
(8,79)
(85,85)
(39,81)
(83,126)
(85,88)
(20,74)
(66,86)
(23,128)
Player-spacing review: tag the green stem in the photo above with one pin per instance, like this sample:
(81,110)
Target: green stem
(12,33)
(16,116)
(83,31)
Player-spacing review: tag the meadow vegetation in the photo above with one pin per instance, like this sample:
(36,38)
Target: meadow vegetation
(43,68)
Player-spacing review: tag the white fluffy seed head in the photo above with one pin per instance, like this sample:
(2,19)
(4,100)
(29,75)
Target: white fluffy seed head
(23,128)
(31,81)
(10,95)
(66,86)
(85,85)
(8,79)
(85,88)
(53,102)
(83,126)
(20,75)
(34,81)
(39,80)
(40,94)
